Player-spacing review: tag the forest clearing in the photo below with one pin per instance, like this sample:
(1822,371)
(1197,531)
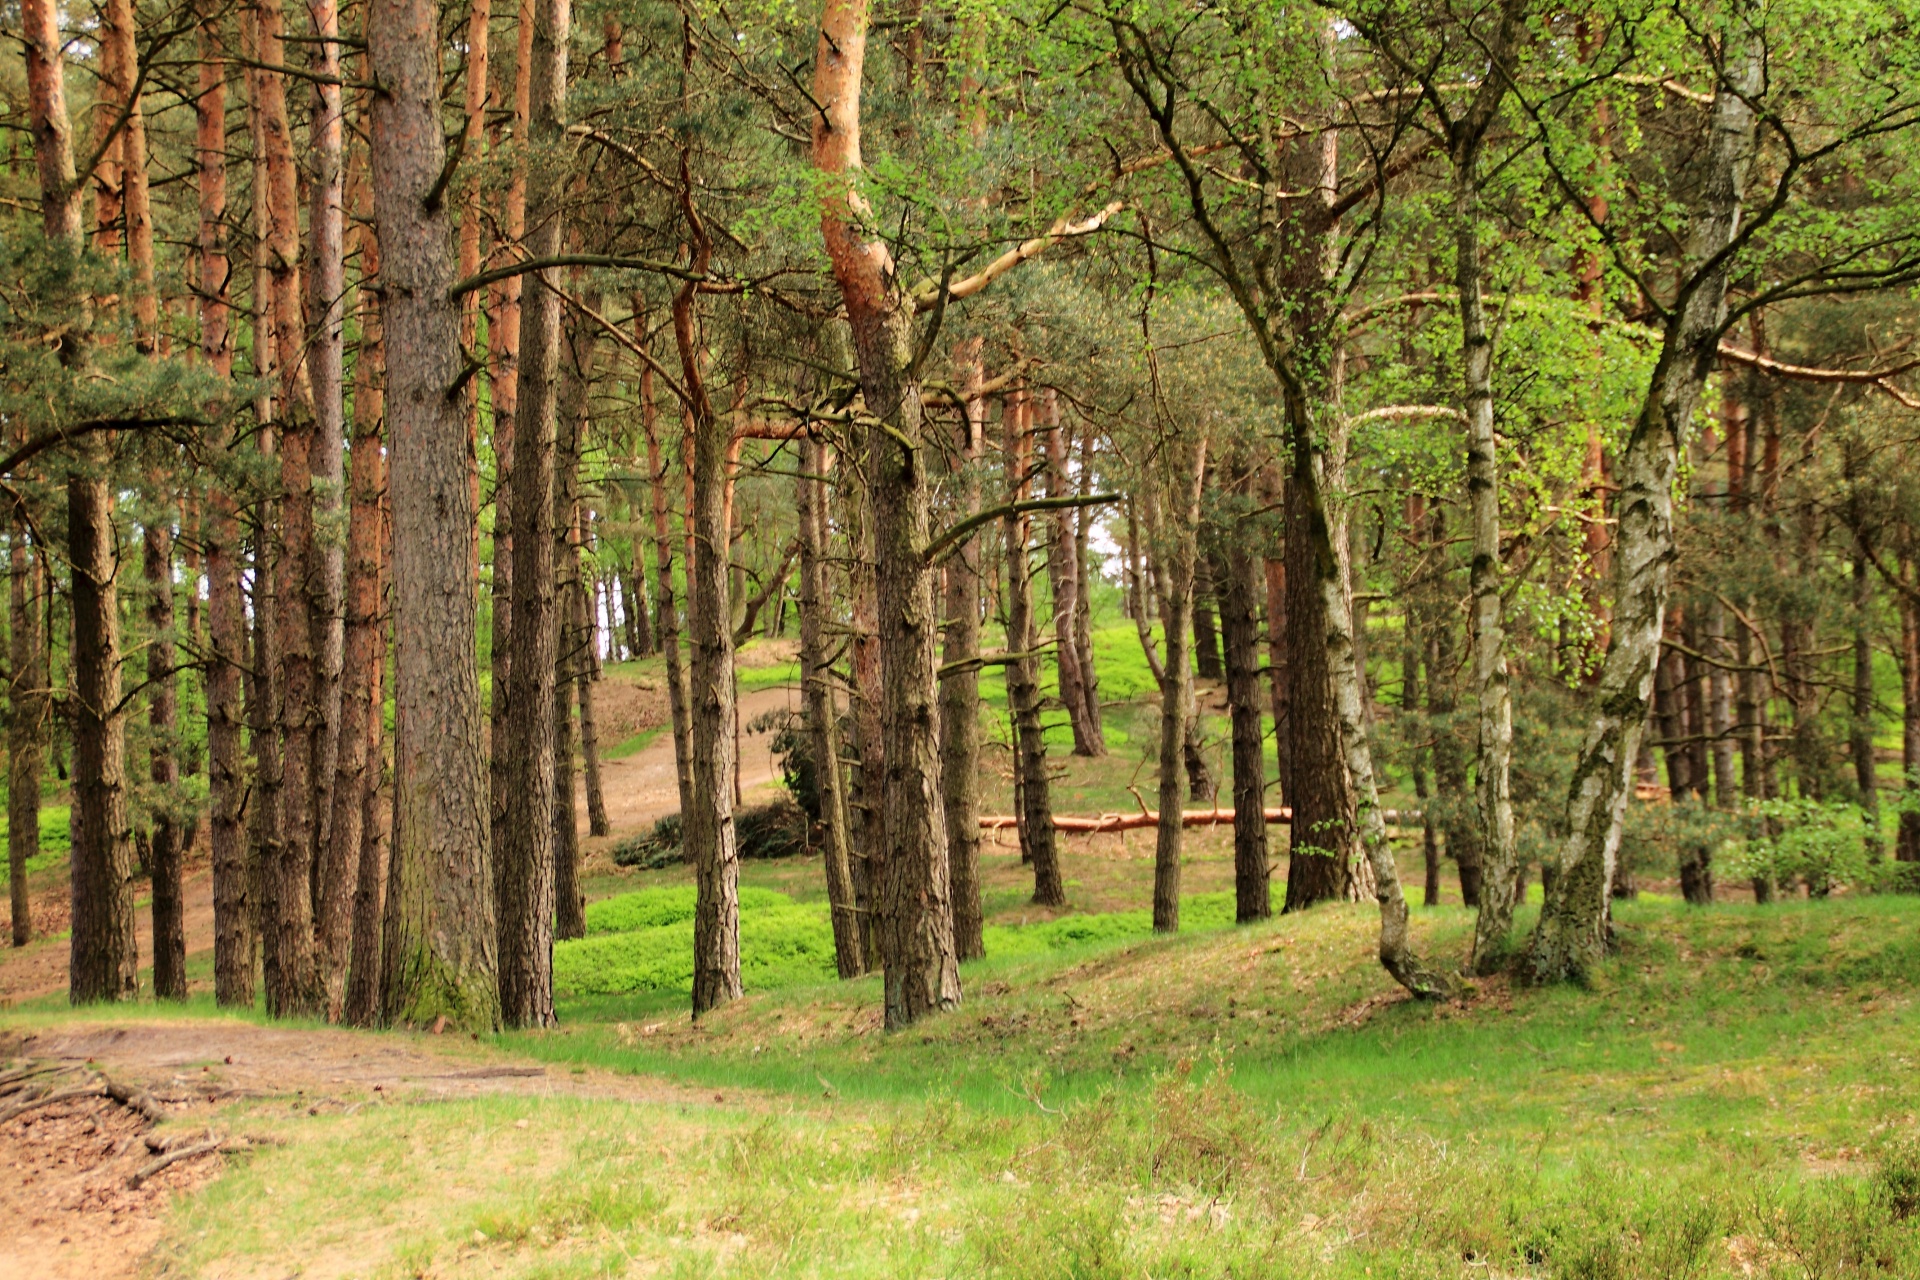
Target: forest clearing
(1100,639)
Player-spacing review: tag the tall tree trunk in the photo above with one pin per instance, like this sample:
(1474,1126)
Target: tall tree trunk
(163,716)
(865,829)
(667,619)
(960,684)
(1720,721)
(326,363)
(1037,842)
(1174,524)
(472,142)
(438,957)
(358,782)
(1271,489)
(1320,838)
(1083,602)
(28,708)
(916,915)
(570,652)
(505,351)
(1206,634)
(1063,574)
(104,964)
(708,820)
(823,725)
(1240,627)
(524,870)
(292,980)
(1572,935)
(585,677)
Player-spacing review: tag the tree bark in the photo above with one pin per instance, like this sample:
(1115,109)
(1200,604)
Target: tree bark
(525,866)
(356,834)
(1063,574)
(708,821)
(104,964)
(960,686)
(586,676)
(326,363)
(1240,627)
(1860,737)
(505,351)
(1083,601)
(163,717)
(916,918)
(1206,634)
(1037,843)
(1174,524)
(1572,935)
(823,725)
(570,652)
(667,617)
(438,957)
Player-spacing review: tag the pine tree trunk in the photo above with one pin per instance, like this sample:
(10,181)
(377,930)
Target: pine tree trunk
(1240,628)
(1083,603)
(708,821)
(1037,842)
(585,678)
(361,721)
(1206,635)
(524,865)
(1574,928)
(960,685)
(823,724)
(1063,574)
(1320,839)
(916,914)
(1720,720)
(163,715)
(438,957)
(667,619)
(570,652)
(865,830)
(28,717)
(326,363)
(104,964)
(1176,531)
(505,350)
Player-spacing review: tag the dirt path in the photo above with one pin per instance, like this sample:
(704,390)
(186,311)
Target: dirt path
(69,1209)
(642,788)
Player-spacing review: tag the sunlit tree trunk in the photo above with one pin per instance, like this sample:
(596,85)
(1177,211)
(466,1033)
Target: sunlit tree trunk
(438,957)
(1063,574)
(1174,523)
(915,912)
(1572,935)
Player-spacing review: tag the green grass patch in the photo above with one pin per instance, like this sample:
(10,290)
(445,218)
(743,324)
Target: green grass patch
(55,843)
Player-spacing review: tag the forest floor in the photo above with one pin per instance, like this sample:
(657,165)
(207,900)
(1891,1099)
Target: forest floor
(1735,1096)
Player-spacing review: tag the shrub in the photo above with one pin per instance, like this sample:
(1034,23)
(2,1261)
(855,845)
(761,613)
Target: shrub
(777,829)
(1822,844)
(652,850)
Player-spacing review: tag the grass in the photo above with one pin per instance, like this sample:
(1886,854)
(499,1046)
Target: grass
(1734,1097)
(55,820)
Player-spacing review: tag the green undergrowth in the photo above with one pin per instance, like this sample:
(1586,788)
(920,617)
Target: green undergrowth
(640,944)
(55,820)
(1734,1097)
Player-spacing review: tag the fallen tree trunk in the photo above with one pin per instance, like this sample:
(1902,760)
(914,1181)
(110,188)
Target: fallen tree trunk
(1188,818)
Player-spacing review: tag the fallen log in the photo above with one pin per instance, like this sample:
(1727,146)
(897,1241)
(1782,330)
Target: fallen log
(1216,816)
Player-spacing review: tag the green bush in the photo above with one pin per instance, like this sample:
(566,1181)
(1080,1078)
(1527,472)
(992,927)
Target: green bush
(1794,840)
